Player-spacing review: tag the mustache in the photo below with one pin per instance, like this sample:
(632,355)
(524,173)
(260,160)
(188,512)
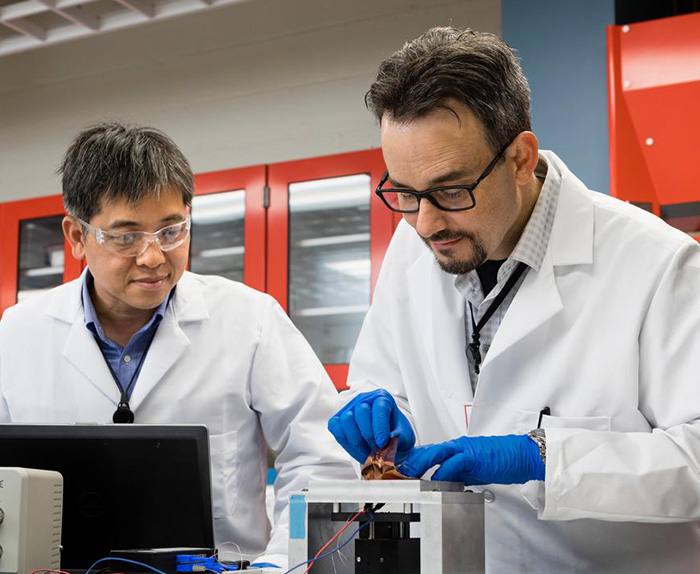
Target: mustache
(447,235)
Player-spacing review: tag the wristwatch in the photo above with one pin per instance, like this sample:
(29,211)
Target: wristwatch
(540,439)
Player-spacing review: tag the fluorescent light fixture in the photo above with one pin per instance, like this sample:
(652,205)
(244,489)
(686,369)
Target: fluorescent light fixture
(42,272)
(325,311)
(354,267)
(218,207)
(221,252)
(333,193)
(333,240)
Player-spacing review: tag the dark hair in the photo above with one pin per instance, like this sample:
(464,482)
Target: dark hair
(474,68)
(113,161)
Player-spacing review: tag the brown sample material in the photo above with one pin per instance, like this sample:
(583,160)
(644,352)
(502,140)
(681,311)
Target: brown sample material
(380,464)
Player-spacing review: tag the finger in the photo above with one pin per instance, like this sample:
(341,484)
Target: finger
(423,458)
(353,435)
(336,430)
(456,468)
(363,418)
(382,408)
(407,438)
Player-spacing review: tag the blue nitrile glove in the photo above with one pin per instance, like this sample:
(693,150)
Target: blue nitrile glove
(367,423)
(510,459)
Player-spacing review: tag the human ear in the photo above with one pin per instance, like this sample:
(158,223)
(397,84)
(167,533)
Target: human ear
(73,232)
(526,157)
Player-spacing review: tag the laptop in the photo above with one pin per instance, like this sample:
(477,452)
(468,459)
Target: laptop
(125,486)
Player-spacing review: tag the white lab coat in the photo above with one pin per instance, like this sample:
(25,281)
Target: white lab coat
(607,335)
(225,356)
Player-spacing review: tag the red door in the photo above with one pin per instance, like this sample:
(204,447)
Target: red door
(35,256)
(228,225)
(327,234)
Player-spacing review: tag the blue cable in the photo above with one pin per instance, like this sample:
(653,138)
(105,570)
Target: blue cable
(124,560)
(338,549)
(209,563)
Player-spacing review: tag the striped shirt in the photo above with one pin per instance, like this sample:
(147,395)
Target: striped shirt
(530,250)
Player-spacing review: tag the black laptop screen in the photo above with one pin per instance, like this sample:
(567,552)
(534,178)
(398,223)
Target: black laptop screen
(125,486)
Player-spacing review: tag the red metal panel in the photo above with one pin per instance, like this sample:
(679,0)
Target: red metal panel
(252,180)
(280,175)
(339,375)
(382,222)
(654,87)
(10,217)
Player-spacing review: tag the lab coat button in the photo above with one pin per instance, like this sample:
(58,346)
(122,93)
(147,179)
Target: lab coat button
(489,496)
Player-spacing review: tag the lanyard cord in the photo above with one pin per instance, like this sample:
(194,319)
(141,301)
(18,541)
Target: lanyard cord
(474,348)
(124,399)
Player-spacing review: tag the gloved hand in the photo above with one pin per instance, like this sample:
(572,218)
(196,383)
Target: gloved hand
(511,459)
(367,423)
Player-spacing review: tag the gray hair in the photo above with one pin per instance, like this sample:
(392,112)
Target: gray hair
(474,68)
(116,161)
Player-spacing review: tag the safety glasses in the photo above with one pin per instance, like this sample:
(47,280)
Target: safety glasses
(134,243)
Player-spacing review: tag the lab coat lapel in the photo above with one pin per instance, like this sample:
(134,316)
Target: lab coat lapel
(571,243)
(440,317)
(171,341)
(80,348)
(536,302)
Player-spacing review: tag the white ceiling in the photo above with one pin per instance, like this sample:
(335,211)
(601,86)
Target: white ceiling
(28,24)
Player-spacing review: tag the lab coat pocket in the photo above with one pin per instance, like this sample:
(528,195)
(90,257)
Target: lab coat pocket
(224,473)
(600,423)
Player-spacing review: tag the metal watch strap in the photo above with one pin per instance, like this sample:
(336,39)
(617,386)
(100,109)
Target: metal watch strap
(540,439)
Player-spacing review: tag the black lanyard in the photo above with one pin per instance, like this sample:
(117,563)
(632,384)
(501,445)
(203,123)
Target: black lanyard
(124,414)
(474,348)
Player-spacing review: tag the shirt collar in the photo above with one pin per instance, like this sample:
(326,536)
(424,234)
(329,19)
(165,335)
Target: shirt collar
(92,321)
(532,245)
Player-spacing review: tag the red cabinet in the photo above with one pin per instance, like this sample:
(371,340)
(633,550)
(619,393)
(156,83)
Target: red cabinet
(654,89)
(35,256)
(327,234)
(311,233)
(229,225)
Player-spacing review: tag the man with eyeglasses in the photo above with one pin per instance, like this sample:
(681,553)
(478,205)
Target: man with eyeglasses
(528,337)
(139,339)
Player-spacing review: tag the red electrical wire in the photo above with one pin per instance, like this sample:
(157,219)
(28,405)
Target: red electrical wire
(343,529)
(48,570)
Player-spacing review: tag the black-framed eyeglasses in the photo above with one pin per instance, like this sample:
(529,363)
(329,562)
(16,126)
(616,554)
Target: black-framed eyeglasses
(446,198)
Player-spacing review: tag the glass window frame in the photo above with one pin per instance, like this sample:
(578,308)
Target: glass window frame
(252,180)
(266,223)
(382,221)
(12,214)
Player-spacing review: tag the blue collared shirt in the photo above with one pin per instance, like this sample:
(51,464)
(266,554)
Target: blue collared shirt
(123,360)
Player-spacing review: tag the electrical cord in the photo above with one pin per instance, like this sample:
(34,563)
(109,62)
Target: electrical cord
(185,563)
(343,545)
(115,559)
(337,534)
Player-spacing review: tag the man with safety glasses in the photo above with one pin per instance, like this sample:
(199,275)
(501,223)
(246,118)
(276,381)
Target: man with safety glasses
(528,337)
(139,339)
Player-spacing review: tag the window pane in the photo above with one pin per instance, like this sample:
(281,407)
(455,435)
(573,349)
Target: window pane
(218,223)
(41,256)
(329,262)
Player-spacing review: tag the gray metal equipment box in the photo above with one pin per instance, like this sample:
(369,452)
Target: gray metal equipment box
(424,527)
(30,520)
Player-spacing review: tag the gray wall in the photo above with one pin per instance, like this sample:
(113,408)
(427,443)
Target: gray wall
(563,48)
(257,82)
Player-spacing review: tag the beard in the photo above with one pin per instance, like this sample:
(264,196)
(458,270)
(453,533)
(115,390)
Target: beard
(455,266)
